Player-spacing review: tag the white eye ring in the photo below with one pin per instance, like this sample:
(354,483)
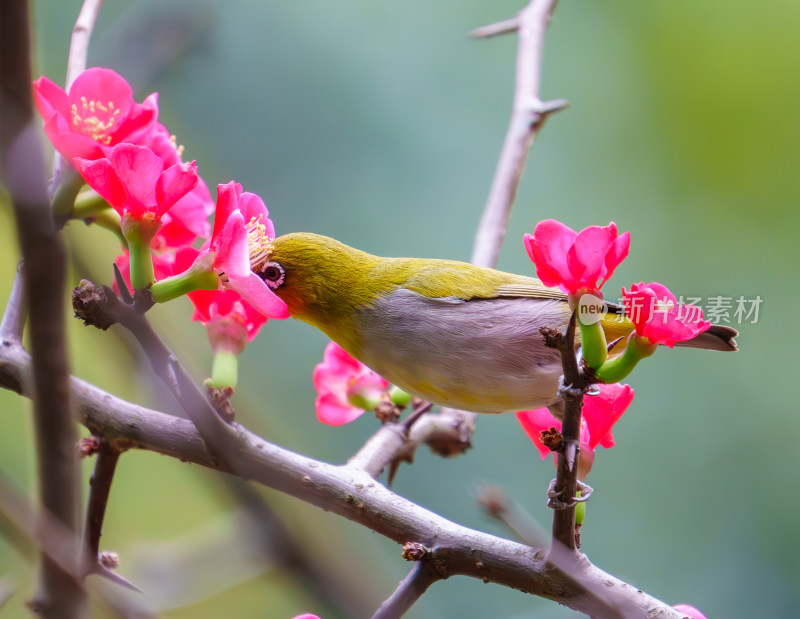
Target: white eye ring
(273,274)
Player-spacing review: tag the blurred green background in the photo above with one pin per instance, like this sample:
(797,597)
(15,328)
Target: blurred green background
(380,123)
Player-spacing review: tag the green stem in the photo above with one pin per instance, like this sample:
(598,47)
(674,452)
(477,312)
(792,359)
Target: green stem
(225,369)
(88,205)
(111,221)
(636,349)
(593,344)
(64,197)
(142,274)
(183,283)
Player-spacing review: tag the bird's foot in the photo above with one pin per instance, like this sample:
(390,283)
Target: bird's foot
(555,500)
(568,392)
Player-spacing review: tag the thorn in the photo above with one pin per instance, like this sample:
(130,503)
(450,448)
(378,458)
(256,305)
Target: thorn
(549,107)
(570,453)
(106,573)
(498,28)
(610,347)
(124,291)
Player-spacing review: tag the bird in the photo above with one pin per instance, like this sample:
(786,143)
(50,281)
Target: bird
(452,333)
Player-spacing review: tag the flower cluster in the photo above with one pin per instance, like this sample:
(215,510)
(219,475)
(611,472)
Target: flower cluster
(133,165)
(580,263)
(346,388)
(600,412)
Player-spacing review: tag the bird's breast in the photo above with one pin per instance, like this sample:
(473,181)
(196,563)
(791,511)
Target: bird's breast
(483,355)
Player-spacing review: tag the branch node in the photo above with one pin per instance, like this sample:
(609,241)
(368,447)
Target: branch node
(414,551)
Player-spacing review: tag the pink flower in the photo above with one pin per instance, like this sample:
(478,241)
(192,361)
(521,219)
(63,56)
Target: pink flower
(188,218)
(306,616)
(689,611)
(600,413)
(231,321)
(576,262)
(655,313)
(97,113)
(241,227)
(135,181)
(345,387)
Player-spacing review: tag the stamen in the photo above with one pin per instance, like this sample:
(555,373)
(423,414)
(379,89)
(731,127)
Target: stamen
(259,244)
(95,120)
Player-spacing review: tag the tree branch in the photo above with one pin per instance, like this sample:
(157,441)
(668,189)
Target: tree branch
(60,546)
(104,467)
(410,589)
(13,322)
(507,26)
(76,64)
(566,482)
(356,496)
(527,117)
(45,269)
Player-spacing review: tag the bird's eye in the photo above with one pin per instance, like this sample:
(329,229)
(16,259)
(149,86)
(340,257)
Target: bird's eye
(273,274)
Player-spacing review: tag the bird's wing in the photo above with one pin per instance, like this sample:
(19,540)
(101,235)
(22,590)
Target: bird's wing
(532,290)
(441,278)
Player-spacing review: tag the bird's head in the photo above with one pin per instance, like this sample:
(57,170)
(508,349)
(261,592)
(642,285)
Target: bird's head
(321,280)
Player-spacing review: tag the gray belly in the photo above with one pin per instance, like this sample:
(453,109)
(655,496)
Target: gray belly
(484,355)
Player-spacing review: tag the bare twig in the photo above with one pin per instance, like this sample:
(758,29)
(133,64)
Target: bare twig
(492,30)
(76,63)
(527,118)
(410,589)
(58,543)
(216,432)
(380,449)
(355,496)
(566,482)
(13,322)
(104,467)
(507,511)
(45,269)
(79,43)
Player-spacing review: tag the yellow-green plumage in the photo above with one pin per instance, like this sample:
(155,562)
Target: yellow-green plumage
(450,332)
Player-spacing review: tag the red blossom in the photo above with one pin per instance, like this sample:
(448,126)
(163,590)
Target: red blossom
(188,218)
(576,262)
(657,316)
(224,313)
(97,113)
(241,225)
(341,380)
(600,413)
(135,181)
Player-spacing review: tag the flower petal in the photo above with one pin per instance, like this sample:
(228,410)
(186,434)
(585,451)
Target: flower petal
(100,176)
(174,183)
(602,411)
(256,292)
(332,411)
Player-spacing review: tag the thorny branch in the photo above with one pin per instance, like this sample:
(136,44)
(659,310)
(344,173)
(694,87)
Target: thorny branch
(356,496)
(44,257)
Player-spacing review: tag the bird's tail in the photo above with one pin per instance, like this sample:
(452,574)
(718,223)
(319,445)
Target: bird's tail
(717,337)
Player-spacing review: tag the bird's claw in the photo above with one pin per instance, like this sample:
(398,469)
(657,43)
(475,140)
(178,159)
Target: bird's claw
(568,392)
(554,500)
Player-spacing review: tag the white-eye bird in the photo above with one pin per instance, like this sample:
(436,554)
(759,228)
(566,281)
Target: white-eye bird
(449,332)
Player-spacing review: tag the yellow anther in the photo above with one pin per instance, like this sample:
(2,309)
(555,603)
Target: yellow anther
(97,120)
(259,244)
